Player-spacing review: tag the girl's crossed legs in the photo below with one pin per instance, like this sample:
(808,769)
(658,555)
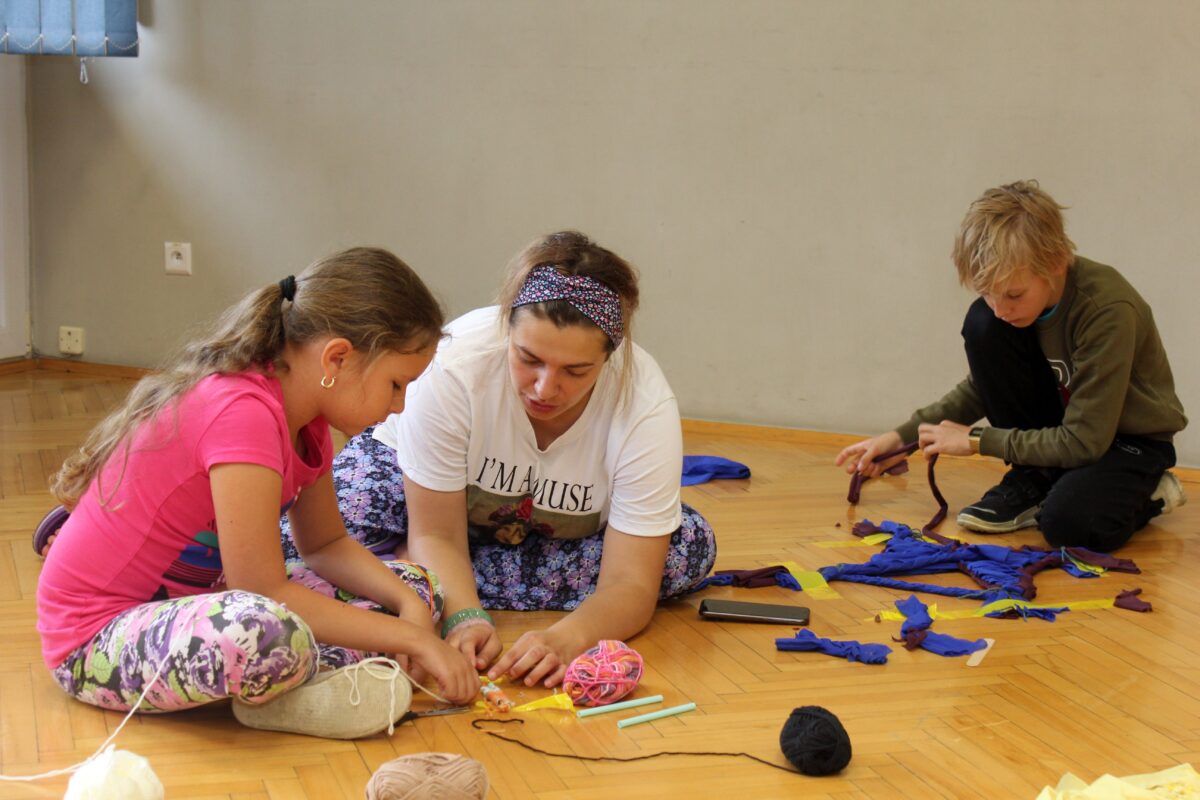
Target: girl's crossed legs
(214,646)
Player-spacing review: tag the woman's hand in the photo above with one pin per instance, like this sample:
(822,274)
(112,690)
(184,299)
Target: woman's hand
(946,437)
(479,643)
(536,656)
(860,456)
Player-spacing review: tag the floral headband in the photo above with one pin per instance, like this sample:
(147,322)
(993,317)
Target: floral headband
(592,298)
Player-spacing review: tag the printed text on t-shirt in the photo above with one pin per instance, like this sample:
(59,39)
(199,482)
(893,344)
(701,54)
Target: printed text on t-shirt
(546,493)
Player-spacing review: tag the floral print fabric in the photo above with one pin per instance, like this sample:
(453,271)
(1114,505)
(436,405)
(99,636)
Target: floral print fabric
(534,572)
(213,646)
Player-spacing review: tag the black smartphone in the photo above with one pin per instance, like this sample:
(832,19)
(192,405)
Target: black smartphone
(737,611)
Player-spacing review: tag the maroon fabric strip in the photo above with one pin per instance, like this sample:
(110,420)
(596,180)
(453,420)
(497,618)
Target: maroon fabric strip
(753,578)
(1130,601)
(857,480)
(1104,560)
(912,640)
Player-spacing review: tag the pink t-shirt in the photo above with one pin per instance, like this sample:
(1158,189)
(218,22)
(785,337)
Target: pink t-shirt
(156,538)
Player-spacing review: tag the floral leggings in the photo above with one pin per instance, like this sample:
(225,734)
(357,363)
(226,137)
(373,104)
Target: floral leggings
(539,573)
(213,646)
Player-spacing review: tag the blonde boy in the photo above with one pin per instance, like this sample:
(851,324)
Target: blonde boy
(1068,368)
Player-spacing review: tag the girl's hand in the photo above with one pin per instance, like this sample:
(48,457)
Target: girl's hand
(946,437)
(412,668)
(479,643)
(454,673)
(538,656)
(859,457)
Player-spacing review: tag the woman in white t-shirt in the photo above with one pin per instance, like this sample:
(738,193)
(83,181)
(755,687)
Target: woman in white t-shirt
(536,466)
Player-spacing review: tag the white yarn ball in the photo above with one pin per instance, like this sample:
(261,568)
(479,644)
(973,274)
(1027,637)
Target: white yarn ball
(115,775)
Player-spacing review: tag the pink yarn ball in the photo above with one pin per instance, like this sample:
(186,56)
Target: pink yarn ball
(603,674)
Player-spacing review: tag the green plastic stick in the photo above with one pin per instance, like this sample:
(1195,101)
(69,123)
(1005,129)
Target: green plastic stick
(653,715)
(641,701)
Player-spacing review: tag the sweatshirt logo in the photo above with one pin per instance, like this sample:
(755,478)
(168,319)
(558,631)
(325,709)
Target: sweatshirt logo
(1062,371)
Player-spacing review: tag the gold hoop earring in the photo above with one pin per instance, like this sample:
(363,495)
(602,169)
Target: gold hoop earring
(332,380)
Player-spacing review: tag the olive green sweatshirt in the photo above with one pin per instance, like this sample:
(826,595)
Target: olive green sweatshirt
(1104,348)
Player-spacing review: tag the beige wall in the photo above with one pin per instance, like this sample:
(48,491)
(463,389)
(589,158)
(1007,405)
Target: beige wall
(14,210)
(788,175)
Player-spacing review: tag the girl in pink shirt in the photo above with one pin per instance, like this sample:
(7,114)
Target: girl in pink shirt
(169,560)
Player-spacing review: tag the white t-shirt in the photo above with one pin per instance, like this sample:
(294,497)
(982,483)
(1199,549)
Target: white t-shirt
(464,426)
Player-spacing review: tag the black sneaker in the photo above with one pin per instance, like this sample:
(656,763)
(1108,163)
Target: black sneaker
(1010,505)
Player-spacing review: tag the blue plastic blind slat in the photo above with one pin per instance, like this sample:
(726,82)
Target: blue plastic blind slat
(57,28)
(24,23)
(69,27)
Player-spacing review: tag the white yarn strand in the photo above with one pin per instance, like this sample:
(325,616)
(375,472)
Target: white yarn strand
(370,665)
(392,667)
(100,750)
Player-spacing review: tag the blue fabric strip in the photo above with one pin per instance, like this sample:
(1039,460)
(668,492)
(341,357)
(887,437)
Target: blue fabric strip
(701,469)
(849,649)
(917,619)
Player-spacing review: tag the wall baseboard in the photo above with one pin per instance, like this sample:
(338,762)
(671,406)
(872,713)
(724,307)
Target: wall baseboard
(87,368)
(697,427)
(19,364)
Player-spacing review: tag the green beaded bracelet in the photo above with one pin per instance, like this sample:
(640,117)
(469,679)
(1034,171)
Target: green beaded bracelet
(462,615)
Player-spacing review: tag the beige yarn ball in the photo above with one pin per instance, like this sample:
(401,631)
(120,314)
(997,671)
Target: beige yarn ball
(442,776)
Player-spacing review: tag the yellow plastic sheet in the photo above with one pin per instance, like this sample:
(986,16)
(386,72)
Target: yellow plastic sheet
(1178,783)
(558,700)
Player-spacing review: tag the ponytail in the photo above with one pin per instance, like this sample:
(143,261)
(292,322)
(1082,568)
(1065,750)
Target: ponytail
(366,295)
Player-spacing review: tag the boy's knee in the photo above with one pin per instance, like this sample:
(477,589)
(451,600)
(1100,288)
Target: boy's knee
(1070,525)
(979,325)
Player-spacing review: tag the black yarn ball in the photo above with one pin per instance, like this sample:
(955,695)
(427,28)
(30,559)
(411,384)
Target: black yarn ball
(814,741)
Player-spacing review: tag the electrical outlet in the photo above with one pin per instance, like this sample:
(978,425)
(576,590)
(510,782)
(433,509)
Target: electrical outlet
(70,340)
(177,258)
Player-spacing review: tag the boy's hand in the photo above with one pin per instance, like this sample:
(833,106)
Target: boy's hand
(948,438)
(479,643)
(538,656)
(859,457)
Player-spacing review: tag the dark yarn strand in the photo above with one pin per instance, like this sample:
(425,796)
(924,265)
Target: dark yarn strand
(476,725)
(815,742)
(812,739)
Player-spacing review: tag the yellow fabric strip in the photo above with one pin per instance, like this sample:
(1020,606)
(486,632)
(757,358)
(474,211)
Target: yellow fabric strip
(1085,567)
(812,582)
(893,615)
(831,543)
(879,538)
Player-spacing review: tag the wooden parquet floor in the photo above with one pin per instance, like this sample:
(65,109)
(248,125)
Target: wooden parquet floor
(1094,692)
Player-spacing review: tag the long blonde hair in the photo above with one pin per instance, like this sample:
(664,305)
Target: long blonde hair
(366,295)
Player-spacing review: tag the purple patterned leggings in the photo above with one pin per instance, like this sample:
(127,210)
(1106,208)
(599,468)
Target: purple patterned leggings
(213,646)
(537,574)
